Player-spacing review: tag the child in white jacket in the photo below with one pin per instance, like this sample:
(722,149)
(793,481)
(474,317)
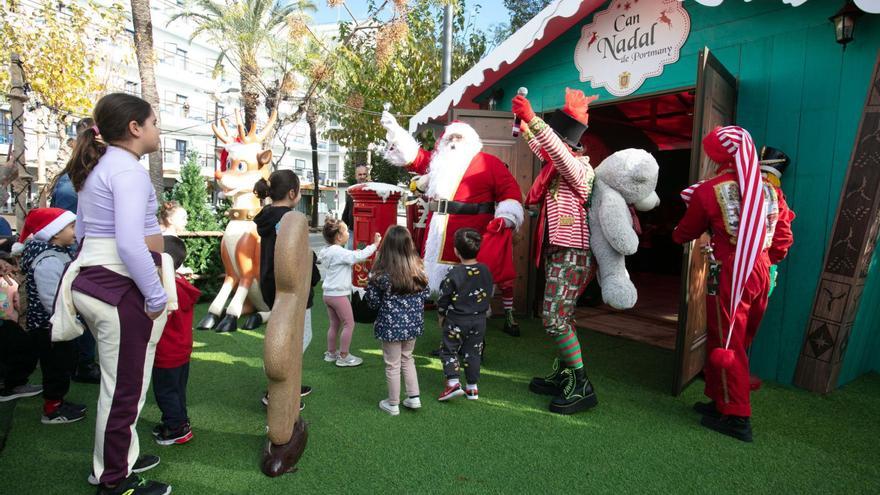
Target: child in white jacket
(337,262)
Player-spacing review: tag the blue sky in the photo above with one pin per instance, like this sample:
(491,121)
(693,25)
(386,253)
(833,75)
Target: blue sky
(491,11)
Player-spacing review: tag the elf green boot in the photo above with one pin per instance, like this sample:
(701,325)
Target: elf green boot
(577,394)
(511,327)
(551,384)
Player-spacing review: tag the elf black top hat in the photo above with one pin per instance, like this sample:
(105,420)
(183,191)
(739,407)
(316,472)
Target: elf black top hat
(773,161)
(571,122)
(567,128)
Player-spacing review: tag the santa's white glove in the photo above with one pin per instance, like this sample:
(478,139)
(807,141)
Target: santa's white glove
(402,149)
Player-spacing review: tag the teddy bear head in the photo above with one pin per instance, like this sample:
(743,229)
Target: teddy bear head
(633,174)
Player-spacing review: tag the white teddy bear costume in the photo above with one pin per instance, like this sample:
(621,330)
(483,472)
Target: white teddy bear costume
(627,177)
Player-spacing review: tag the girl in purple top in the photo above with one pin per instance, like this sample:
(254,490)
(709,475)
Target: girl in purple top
(118,290)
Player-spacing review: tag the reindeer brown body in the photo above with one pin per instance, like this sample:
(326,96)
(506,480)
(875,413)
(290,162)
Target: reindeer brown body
(246,164)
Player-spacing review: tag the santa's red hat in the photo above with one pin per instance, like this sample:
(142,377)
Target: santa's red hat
(43,224)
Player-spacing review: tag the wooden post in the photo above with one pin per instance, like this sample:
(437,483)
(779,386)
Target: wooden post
(17,98)
(847,257)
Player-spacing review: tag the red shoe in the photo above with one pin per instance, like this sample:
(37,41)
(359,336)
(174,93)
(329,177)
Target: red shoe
(472,394)
(754,383)
(451,392)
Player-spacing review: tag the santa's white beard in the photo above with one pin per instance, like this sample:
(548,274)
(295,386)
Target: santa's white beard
(448,165)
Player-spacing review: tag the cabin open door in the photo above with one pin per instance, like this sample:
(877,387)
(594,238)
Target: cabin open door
(494,130)
(715,105)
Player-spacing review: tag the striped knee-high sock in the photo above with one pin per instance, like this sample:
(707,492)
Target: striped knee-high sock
(570,349)
(508,303)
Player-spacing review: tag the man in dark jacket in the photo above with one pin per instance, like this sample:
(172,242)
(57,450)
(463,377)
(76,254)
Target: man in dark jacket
(361,175)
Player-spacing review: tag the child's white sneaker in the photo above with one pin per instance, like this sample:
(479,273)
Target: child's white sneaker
(348,361)
(330,357)
(412,403)
(386,406)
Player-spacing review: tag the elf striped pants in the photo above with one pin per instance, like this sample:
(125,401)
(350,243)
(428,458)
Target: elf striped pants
(568,271)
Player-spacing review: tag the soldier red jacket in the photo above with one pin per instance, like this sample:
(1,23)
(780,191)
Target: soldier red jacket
(715,206)
(175,345)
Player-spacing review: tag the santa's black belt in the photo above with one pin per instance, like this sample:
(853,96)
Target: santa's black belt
(443,207)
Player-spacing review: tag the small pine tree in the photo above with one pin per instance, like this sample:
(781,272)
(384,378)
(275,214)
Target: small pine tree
(202,254)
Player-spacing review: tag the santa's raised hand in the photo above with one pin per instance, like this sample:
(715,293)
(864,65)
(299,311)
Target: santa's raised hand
(402,148)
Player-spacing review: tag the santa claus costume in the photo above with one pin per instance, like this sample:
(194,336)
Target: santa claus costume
(563,190)
(466,188)
(742,213)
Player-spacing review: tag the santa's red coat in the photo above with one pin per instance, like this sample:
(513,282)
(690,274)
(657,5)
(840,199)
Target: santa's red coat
(486,180)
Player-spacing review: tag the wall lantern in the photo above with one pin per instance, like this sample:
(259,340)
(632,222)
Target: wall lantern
(844,21)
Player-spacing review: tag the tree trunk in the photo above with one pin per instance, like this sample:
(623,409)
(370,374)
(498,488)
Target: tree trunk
(143,47)
(312,120)
(250,95)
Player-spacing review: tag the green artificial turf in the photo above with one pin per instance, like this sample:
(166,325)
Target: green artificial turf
(639,439)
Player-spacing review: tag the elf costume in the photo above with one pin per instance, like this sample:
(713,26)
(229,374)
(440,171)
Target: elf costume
(742,213)
(563,190)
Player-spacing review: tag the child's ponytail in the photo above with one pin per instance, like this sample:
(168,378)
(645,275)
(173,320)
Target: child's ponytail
(279,184)
(113,114)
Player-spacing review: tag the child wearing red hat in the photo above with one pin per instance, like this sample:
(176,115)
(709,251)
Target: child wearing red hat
(45,245)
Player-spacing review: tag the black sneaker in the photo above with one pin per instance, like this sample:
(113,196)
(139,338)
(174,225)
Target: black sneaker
(305,390)
(177,436)
(21,391)
(87,373)
(577,395)
(135,485)
(551,384)
(65,413)
(707,409)
(738,427)
(143,463)
(75,406)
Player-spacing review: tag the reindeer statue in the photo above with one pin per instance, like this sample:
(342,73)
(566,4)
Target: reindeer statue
(245,164)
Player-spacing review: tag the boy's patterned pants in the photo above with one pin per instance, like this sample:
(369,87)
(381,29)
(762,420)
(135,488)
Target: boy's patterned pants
(463,341)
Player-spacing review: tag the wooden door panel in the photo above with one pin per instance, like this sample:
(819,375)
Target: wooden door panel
(494,130)
(715,105)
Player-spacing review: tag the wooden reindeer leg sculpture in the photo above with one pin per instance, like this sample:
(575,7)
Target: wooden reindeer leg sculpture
(283,347)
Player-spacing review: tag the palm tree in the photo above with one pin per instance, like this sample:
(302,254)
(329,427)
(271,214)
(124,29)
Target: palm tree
(143,48)
(243,29)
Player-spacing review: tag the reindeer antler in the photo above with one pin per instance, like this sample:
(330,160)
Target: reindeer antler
(224,134)
(241,133)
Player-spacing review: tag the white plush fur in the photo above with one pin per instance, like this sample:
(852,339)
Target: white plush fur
(512,210)
(402,148)
(626,177)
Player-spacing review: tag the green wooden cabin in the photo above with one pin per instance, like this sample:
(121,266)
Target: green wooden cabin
(797,89)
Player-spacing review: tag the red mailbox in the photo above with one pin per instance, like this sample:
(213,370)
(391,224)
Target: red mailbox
(417,221)
(375,209)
